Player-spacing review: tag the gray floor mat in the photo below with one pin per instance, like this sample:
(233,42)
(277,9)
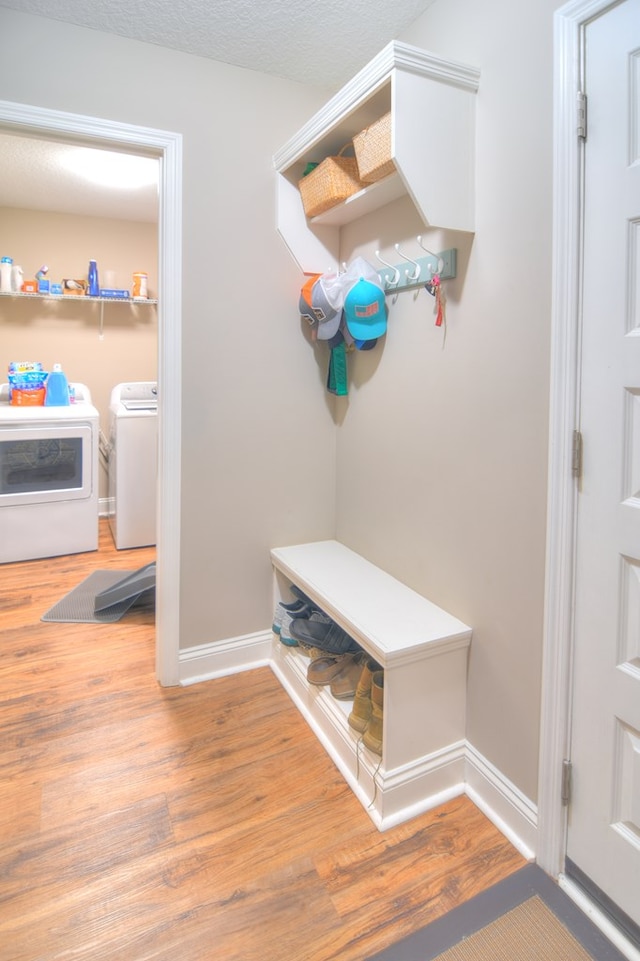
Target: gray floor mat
(78,605)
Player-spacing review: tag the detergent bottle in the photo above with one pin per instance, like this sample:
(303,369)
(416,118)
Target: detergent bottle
(57,388)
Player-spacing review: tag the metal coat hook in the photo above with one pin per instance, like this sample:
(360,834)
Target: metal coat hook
(395,279)
(411,278)
(406,275)
(431,253)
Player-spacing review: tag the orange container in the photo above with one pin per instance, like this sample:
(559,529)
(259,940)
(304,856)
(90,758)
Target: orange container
(27,398)
(140,288)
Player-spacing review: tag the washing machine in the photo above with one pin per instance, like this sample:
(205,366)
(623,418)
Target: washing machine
(133,463)
(48,478)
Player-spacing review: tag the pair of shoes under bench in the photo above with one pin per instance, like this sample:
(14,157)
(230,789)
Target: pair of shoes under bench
(326,635)
(283,608)
(308,614)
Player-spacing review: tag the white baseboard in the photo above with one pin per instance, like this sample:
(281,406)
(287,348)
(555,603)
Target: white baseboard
(207,661)
(458,769)
(502,802)
(106,506)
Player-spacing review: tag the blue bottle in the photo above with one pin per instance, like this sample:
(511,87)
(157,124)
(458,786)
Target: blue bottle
(92,276)
(56,388)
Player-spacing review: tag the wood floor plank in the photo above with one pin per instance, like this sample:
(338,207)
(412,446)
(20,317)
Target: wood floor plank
(146,824)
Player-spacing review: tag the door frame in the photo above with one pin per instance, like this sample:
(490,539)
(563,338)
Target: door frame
(167,147)
(566,310)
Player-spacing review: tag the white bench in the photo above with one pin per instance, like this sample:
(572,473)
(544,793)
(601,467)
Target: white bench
(423,651)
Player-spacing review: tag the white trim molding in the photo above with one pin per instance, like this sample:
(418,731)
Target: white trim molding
(598,918)
(220,658)
(502,802)
(569,22)
(167,147)
(563,420)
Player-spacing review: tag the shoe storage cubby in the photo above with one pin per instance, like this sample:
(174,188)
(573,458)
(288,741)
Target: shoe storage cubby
(423,651)
(432,107)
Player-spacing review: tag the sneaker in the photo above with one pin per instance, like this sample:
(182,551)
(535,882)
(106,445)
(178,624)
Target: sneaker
(281,610)
(283,607)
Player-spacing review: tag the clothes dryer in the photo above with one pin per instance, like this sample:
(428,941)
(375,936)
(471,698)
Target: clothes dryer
(133,463)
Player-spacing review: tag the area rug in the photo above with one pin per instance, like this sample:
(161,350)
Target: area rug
(78,606)
(526,917)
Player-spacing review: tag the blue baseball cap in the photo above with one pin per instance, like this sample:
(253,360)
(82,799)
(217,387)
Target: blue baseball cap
(365,311)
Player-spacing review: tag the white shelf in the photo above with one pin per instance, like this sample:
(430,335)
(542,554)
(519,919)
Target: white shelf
(76,298)
(432,105)
(423,651)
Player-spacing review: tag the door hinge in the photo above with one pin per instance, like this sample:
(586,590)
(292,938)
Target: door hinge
(576,454)
(581,105)
(566,783)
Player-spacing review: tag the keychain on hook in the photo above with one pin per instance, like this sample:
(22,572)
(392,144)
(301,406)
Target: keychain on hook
(434,287)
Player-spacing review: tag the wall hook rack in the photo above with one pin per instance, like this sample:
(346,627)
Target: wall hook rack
(392,279)
(399,277)
(412,274)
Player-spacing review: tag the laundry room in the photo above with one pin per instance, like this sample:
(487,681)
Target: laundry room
(51,228)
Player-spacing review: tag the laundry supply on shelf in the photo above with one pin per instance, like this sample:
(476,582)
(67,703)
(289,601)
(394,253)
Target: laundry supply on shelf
(17,278)
(57,388)
(140,285)
(6,263)
(26,383)
(93,290)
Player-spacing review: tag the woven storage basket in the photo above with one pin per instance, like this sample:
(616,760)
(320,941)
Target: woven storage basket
(373,151)
(331,182)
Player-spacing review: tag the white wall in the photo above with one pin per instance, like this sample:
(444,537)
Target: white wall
(258,439)
(442,456)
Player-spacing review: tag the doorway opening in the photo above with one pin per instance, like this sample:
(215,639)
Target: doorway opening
(166,146)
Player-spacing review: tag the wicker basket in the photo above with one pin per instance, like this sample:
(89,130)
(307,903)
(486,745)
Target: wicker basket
(373,151)
(330,183)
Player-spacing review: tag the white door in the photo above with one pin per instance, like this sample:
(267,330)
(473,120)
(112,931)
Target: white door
(603,834)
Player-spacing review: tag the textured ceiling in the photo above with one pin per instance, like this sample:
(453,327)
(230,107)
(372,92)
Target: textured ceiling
(322,43)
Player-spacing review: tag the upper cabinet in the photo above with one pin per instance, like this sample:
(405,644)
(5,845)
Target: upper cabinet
(432,105)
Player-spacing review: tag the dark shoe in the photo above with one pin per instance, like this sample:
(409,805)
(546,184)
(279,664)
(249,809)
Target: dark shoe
(328,637)
(306,612)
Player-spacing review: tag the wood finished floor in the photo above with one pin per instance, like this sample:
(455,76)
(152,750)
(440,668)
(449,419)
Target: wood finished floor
(203,823)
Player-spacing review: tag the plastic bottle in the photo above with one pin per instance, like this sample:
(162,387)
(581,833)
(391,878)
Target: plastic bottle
(94,286)
(140,288)
(6,263)
(57,388)
(17,277)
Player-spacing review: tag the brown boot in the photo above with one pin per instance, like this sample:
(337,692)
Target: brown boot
(373,734)
(361,712)
(344,684)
